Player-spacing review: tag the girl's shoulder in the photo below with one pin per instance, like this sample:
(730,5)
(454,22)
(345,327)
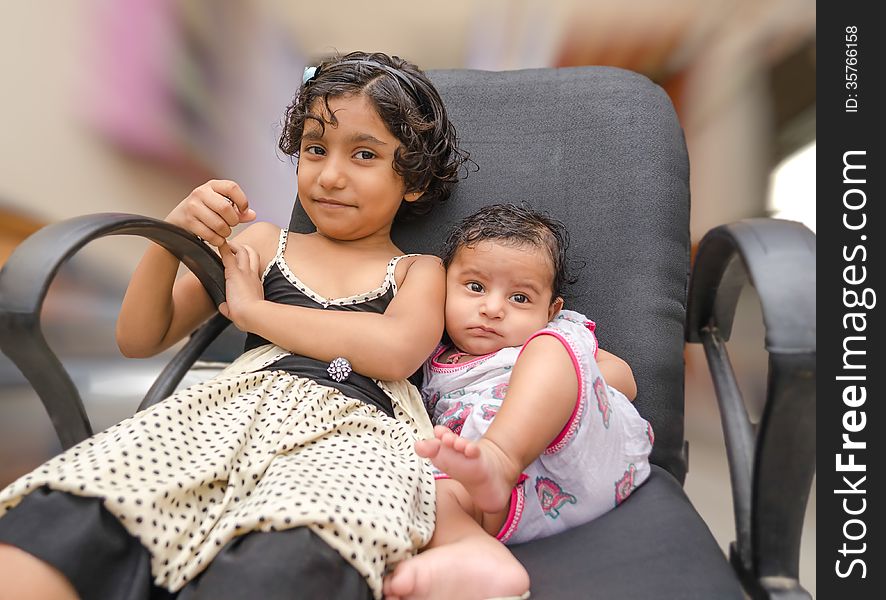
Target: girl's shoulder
(421,261)
(259,232)
(417,266)
(263,237)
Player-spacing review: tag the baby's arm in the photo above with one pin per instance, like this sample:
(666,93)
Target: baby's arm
(159,310)
(542,394)
(540,400)
(386,346)
(617,373)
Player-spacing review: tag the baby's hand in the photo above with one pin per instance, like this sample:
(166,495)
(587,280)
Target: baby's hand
(212,210)
(243,287)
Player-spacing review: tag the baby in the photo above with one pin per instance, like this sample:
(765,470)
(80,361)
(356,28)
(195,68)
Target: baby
(534,429)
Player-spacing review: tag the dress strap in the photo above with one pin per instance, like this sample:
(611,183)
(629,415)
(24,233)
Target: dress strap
(281,245)
(392,266)
(281,248)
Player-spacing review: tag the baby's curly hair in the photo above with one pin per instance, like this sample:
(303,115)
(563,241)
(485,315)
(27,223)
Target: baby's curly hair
(515,226)
(410,106)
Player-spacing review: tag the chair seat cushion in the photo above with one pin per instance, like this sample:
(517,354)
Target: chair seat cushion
(654,545)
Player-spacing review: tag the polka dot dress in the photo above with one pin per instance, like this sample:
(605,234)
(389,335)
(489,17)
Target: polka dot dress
(253,451)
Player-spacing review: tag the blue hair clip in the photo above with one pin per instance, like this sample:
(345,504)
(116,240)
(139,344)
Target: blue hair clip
(309,74)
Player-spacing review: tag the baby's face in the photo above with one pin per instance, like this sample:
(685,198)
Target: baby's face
(497,296)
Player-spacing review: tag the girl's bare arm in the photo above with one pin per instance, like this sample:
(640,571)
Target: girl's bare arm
(385,346)
(159,310)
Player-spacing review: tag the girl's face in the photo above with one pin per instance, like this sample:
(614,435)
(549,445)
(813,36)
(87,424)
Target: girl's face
(497,296)
(346,179)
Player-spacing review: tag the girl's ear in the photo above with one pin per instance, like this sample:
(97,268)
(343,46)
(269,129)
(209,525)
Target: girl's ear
(556,306)
(413,196)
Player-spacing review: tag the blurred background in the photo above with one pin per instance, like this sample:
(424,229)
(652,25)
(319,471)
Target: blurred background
(127,105)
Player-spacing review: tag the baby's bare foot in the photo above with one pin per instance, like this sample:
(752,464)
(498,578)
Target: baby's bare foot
(485,471)
(471,569)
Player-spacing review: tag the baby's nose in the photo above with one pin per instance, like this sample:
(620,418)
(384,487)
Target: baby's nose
(493,307)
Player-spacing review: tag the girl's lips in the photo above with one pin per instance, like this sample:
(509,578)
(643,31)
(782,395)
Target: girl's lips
(330,203)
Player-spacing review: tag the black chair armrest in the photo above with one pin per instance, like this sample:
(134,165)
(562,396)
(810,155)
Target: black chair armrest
(25,279)
(778,258)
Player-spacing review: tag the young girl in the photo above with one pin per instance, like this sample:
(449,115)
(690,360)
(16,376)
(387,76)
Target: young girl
(311,429)
(526,447)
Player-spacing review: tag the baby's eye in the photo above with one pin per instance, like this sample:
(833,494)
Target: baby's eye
(520,298)
(364,154)
(475,287)
(315,150)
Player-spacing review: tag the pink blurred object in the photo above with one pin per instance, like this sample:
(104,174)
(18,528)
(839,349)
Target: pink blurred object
(198,86)
(131,95)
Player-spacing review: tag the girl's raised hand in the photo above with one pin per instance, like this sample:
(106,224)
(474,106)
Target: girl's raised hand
(212,210)
(243,287)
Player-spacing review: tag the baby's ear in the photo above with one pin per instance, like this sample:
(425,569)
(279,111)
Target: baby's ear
(556,306)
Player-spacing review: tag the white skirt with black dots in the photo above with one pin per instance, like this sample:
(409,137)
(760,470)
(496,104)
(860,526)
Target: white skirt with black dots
(257,451)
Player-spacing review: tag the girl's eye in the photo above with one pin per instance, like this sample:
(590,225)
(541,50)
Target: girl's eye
(475,287)
(316,150)
(365,155)
(520,298)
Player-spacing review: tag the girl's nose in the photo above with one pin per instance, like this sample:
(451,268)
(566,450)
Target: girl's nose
(332,175)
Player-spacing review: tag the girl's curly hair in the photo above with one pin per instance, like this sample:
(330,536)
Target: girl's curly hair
(410,106)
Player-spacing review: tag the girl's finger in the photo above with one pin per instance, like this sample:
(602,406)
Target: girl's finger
(239,257)
(229,259)
(242,253)
(211,219)
(225,209)
(247,216)
(206,234)
(231,190)
(254,262)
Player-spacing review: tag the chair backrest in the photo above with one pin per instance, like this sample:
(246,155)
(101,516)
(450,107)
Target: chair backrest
(600,149)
